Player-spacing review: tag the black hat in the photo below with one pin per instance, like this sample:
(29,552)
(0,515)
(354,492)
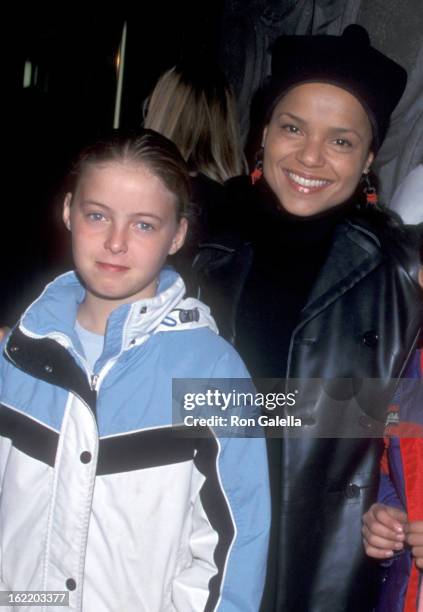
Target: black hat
(348,61)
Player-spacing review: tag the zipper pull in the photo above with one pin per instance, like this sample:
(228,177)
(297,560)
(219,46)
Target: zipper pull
(94,380)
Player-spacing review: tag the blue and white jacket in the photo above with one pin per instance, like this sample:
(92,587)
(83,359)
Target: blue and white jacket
(99,497)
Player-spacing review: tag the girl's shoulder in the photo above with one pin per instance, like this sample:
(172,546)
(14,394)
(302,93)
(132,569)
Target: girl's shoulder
(202,353)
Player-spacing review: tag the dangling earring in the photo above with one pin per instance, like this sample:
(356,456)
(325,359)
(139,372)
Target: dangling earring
(370,190)
(257,172)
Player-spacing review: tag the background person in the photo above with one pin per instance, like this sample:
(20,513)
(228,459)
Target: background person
(393,527)
(407,200)
(193,105)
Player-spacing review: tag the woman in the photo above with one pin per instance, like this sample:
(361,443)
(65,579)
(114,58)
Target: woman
(316,284)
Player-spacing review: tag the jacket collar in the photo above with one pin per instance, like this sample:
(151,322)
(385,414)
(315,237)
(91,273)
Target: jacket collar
(354,253)
(45,344)
(54,313)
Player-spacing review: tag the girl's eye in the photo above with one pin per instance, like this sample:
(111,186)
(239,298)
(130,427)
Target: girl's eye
(145,227)
(95,216)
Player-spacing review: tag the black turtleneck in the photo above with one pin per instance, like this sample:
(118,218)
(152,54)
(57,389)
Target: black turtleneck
(288,252)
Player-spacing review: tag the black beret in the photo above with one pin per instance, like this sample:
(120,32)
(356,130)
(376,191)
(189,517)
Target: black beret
(348,61)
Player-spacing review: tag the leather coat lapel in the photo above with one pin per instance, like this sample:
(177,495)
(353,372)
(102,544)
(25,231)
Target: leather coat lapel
(355,252)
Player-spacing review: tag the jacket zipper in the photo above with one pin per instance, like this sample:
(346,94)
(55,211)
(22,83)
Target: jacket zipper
(94,381)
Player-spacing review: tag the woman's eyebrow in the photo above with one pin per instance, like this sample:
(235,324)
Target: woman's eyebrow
(291,116)
(344,130)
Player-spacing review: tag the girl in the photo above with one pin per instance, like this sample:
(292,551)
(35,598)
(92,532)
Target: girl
(98,498)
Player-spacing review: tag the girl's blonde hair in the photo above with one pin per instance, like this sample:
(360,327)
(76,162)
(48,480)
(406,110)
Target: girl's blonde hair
(142,147)
(195,108)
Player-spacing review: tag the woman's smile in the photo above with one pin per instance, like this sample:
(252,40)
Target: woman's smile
(305,184)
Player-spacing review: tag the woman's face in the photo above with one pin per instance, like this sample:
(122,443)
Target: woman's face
(316,147)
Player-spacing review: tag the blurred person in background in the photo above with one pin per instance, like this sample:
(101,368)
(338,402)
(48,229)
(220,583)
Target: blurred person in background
(192,105)
(407,200)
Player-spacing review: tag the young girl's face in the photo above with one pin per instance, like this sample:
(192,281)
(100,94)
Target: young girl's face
(124,223)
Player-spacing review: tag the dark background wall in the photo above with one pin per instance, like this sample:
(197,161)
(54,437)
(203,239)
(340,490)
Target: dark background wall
(71,98)
(74,78)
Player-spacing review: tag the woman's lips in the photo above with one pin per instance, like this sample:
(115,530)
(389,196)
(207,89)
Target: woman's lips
(111,267)
(304,184)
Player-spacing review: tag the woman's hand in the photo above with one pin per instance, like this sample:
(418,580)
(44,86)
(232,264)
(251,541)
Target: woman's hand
(383,531)
(414,538)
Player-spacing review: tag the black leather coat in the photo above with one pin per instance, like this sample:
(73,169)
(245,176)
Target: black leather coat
(361,321)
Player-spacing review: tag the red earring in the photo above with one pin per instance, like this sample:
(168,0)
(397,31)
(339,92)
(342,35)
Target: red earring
(370,190)
(257,171)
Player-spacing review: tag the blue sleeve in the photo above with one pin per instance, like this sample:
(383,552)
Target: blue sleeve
(244,475)
(387,493)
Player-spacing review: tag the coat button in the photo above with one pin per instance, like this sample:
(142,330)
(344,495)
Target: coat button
(48,368)
(371,338)
(14,349)
(70,584)
(352,491)
(85,457)
(365,421)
